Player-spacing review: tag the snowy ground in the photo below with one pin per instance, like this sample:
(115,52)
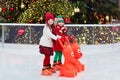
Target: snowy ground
(23,62)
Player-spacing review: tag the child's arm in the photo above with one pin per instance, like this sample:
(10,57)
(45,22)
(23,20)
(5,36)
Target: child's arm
(51,35)
(63,30)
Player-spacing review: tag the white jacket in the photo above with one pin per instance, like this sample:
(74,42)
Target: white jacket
(46,39)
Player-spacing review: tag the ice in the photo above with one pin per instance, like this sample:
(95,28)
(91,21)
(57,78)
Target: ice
(24,62)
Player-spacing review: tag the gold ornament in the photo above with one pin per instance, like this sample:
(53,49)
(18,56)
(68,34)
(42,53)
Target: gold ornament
(76,10)
(44,0)
(22,5)
(0,9)
(107,18)
(41,18)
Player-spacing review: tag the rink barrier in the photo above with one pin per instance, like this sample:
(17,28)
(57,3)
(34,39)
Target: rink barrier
(67,25)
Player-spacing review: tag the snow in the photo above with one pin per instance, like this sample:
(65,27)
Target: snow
(24,62)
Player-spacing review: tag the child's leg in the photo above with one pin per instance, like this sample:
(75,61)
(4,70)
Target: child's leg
(60,57)
(46,62)
(56,56)
(55,62)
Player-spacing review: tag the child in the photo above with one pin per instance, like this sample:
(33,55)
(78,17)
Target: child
(46,44)
(60,30)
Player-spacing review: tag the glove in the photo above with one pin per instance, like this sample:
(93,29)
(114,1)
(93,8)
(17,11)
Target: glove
(58,36)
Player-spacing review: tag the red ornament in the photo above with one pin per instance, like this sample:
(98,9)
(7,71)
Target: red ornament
(67,20)
(31,21)
(12,9)
(115,28)
(9,16)
(4,9)
(100,16)
(21,32)
(104,21)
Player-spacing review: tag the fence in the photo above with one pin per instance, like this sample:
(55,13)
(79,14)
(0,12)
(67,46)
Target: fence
(85,33)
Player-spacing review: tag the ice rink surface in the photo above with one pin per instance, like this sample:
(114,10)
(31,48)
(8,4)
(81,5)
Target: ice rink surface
(24,62)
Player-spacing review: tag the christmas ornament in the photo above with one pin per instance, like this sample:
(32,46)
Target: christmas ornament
(12,9)
(67,20)
(107,18)
(76,10)
(31,21)
(4,9)
(115,28)
(22,5)
(0,9)
(100,16)
(9,16)
(41,18)
(21,32)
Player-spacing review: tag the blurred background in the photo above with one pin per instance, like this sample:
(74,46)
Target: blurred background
(73,12)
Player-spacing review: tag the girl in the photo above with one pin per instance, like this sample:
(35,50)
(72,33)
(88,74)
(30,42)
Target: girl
(60,30)
(46,44)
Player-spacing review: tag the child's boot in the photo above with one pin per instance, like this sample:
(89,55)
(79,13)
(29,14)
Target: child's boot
(45,71)
(56,66)
(51,69)
(59,64)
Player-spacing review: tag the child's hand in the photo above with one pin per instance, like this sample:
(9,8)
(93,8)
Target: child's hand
(58,36)
(64,29)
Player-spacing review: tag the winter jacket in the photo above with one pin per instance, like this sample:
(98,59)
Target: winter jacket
(58,30)
(46,39)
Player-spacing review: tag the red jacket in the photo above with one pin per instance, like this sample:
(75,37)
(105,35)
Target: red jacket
(61,31)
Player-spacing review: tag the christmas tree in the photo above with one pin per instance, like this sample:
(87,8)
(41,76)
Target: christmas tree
(36,14)
(94,11)
(11,9)
(36,11)
(9,12)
